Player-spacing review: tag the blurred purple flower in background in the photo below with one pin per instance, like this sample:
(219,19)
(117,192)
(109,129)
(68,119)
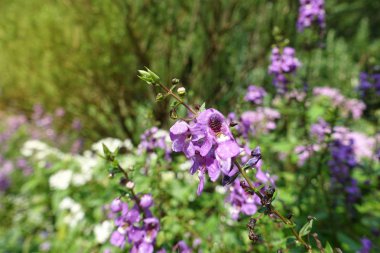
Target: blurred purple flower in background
(341,165)
(261,120)
(155,139)
(348,106)
(366,245)
(283,64)
(181,247)
(368,82)
(255,95)
(311,12)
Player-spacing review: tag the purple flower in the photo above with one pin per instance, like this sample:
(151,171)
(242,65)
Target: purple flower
(262,120)
(141,234)
(154,139)
(241,201)
(208,142)
(320,129)
(311,12)
(181,247)
(366,245)
(118,239)
(341,164)
(351,107)
(146,201)
(369,83)
(116,205)
(283,64)
(255,94)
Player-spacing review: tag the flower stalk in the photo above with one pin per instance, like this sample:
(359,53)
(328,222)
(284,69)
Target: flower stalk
(152,78)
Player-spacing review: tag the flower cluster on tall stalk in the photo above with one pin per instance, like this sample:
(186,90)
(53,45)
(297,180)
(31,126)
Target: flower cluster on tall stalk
(136,224)
(369,82)
(311,12)
(283,65)
(207,141)
(153,139)
(349,106)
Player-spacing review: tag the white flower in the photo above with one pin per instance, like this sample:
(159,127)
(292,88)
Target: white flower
(111,143)
(32,146)
(61,180)
(75,212)
(103,231)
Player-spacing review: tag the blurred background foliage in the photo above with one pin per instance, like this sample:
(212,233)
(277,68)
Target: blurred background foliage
(83,54)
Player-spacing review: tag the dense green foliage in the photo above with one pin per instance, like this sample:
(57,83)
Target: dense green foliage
(83,55)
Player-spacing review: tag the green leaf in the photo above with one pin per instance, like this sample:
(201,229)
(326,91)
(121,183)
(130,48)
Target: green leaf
(203,107)
(328,248)
(306,228)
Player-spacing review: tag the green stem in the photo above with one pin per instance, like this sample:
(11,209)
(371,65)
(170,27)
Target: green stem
(169,92)
(282,218)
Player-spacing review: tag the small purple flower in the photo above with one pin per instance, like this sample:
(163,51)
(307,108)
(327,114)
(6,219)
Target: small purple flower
(116,205)
(118,239)
(320,129)
(255,94)
(262,120)
(146,201)
(181,247)
(140,233)
(153,139)
(366,245)
(369,83)
(241,201)
(311,12)
(283,64)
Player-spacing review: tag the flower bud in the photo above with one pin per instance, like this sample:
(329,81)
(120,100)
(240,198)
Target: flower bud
(175,81)
(116,205)
(146,201)
(159,97)
(130,185)
(181,90)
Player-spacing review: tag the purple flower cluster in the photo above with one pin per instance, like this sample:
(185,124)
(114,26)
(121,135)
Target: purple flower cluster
(238,198)
(208,142)
(241,201)
(369,82)
(261,120)
(153,139)
(283,64)
(6,167)
(135,225)
(311,12)
(353,107)
(255,95)
(363,146)
(341,164)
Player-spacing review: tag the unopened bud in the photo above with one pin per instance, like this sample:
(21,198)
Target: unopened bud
(175,81)
(270,191)
(233,123)
(181,90)
(130,185)
(252,223)
(159,97)
(110,175)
